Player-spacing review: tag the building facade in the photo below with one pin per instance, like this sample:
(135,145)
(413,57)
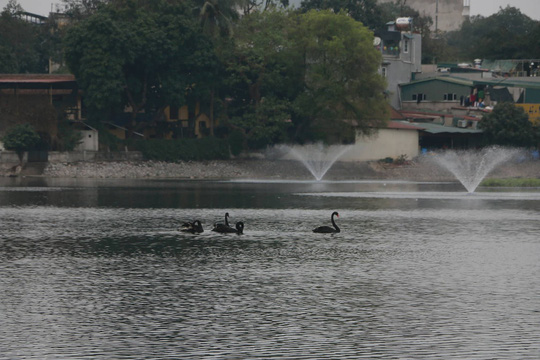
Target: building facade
(447,15)
(402,58)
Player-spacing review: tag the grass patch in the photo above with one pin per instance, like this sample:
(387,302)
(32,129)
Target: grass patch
(521,182)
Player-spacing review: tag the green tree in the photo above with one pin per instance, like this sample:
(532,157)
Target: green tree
(508,125)
(504,35)
(342,90)
(261,77)
(141,55)
(80,9)
(217,19)
(368,12)
(23,46)
(21,138)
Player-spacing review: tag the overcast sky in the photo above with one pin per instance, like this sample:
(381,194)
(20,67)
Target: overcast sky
(478,7)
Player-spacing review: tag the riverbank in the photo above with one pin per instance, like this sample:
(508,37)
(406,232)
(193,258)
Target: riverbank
(418,170)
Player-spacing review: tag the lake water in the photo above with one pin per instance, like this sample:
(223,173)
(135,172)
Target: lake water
(97,269)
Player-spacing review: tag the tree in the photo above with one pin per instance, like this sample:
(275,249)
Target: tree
(342,91)
(141,55)
(504,35)
(22,44)
(217,19)
(80,9)
(368,12)
(21,138)
(263,77)
(508,125)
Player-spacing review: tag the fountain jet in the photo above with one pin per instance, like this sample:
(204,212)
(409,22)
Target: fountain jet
(470,167)
(317,157)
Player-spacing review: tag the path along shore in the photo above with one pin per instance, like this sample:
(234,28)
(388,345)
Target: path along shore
(417,170)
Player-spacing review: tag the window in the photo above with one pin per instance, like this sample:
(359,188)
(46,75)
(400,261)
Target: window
(418,97)
(450,97)
(406,46)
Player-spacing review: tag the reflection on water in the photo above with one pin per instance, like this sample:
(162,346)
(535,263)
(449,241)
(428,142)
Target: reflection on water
(98,269)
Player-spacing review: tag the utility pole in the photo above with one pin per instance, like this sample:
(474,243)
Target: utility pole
(436,16)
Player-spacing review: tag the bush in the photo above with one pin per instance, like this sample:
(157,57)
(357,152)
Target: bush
(21,137)
(236,142)
(183,149)
(68,137)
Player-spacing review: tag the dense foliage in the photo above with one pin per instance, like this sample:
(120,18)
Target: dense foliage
(509,125)
(262,72)
(209,148)
(142,55)
(24,47)
(508,34)
(21,137)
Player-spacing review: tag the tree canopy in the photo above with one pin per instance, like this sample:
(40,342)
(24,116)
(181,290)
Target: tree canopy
(341,85)
(23,46)
(509,125)
(508,34)
(138,55)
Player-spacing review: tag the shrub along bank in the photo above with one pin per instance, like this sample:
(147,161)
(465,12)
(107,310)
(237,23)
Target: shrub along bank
(209,148)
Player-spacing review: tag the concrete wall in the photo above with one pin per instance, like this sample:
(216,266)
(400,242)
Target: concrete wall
(385,143)
(11,157)
(432,105)
(89,141)
(399,69)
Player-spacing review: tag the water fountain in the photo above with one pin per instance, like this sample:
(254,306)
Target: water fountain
(470,167)
(317,157)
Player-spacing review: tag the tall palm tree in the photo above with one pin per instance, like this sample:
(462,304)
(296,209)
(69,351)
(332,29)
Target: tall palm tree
(217,18)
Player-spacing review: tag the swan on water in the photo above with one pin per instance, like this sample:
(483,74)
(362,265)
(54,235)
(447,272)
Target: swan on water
(328,229)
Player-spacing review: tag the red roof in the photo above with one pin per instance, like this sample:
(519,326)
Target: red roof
(400,125)
(396,115)
(35,78)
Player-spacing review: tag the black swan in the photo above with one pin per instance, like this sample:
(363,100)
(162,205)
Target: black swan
(229,230)
(222,226)
(192,227)
(327,229)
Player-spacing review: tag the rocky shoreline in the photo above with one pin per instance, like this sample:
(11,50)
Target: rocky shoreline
(273,170)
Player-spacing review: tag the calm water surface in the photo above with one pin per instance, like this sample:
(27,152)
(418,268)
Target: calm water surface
(98,270)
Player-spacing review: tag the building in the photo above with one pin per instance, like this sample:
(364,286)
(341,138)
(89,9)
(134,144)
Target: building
(401,51)
(398,140)
(447,15)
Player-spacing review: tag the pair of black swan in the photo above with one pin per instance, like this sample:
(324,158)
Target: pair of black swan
(195,227)
(227,229)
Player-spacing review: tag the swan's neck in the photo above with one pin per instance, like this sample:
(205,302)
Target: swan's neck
(334,224)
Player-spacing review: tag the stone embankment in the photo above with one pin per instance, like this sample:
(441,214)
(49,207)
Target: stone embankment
(274,169)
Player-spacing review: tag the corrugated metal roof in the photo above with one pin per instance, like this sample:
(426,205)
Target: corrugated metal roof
(396,115)
(510,82)
(439,129)
(444,78)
